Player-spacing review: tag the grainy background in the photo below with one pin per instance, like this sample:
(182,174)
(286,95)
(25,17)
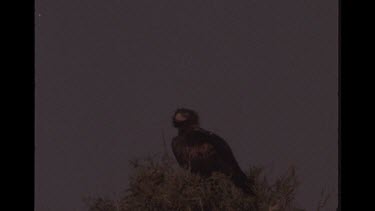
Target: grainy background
(262,74)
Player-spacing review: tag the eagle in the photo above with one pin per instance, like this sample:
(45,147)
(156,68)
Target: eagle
(203,152)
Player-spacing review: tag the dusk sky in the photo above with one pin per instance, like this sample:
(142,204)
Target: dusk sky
(262,74)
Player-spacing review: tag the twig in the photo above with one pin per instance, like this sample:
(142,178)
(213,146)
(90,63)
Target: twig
(164,142)
(323,199)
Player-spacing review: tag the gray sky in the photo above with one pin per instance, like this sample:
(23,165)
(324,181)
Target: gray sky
(262,74)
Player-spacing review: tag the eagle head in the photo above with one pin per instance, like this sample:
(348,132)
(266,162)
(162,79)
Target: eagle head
(184,117)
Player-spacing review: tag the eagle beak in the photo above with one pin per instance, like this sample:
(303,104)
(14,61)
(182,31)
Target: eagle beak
(179,117)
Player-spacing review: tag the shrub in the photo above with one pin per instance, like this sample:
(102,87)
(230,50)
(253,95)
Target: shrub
(158,184)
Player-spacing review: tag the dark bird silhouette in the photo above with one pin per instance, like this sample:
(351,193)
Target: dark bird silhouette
(204,152)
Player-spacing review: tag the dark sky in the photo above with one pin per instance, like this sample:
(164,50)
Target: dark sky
(262,74)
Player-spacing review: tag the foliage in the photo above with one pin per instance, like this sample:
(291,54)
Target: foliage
(158,184)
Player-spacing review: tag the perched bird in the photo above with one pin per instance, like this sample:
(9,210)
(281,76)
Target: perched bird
(204,152)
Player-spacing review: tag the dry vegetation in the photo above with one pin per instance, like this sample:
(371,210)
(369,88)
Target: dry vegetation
(158,184)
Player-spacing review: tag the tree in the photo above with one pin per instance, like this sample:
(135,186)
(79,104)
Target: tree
(158,184)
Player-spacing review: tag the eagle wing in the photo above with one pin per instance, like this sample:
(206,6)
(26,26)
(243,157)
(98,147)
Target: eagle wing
(219,151)
(222,158)
(205,152)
